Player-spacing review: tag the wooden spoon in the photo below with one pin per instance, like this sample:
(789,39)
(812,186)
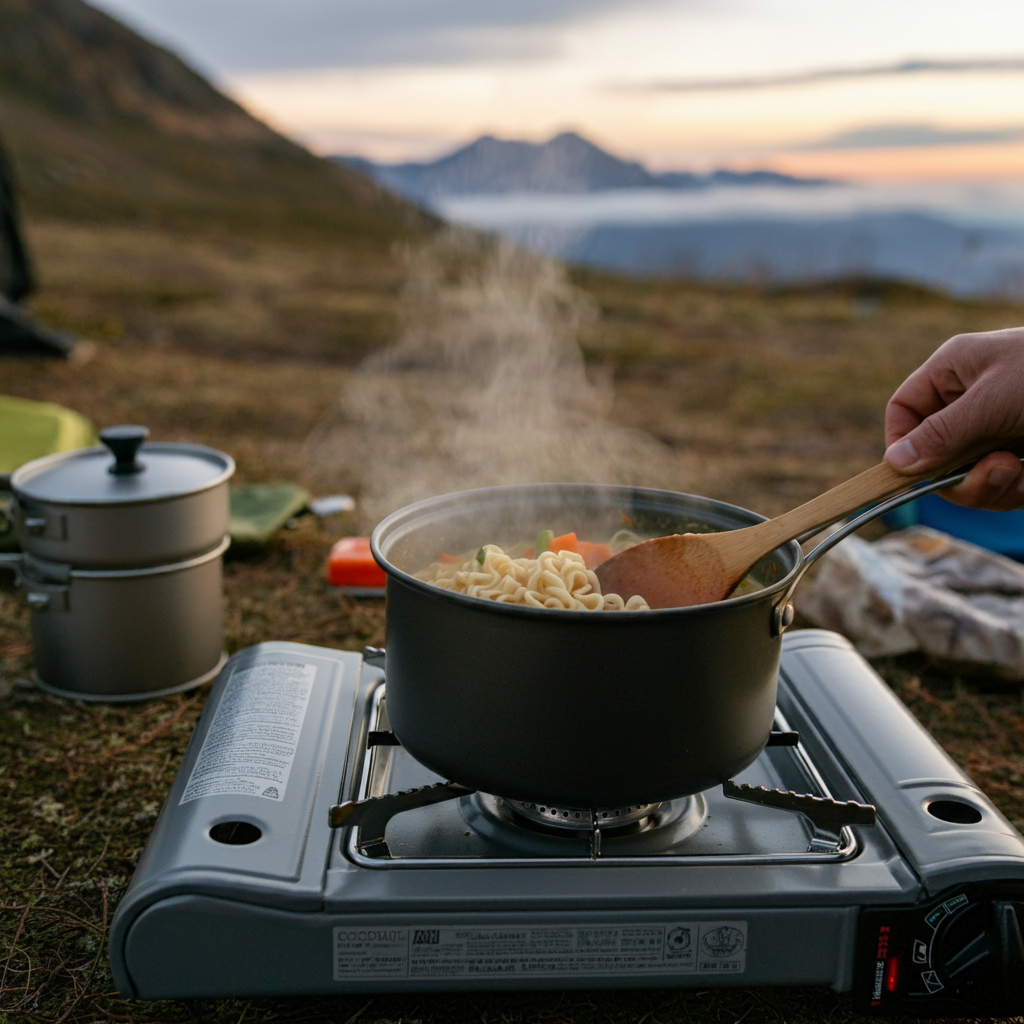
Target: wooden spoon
(699,568)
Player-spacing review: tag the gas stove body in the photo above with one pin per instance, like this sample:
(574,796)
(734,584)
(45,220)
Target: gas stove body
(244,889)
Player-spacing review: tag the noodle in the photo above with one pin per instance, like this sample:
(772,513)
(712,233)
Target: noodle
(553,580)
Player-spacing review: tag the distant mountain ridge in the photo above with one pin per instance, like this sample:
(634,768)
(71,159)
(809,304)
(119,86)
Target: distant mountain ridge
(567,163)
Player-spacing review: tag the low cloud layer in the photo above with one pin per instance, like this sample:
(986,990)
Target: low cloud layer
(885,136)
(816,76)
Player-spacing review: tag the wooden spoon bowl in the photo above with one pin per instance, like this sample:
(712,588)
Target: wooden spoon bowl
(700,568)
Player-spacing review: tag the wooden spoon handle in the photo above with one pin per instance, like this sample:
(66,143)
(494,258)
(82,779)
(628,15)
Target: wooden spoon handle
(872,485)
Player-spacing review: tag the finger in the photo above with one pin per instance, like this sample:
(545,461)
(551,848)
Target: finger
(914,400)
(962,430)
(996,483)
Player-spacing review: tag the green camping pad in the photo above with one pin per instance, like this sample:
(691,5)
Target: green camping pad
(260,510)
(29,430)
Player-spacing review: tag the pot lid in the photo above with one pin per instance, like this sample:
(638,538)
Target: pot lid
(125,470)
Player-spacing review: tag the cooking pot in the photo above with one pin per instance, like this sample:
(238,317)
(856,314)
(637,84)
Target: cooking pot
(577,708)
(123,505)
(124,634)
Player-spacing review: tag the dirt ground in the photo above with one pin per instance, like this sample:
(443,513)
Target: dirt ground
(761,398)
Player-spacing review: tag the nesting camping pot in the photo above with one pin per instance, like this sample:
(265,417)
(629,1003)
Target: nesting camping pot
(122,565)
(151,504)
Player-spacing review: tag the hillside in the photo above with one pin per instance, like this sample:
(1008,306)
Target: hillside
(565,164)
(103,125)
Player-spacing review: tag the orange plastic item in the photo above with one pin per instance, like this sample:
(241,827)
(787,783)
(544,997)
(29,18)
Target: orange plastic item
(350,564)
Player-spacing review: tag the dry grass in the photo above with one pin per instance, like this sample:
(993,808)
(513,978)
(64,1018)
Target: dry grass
(764,399)
(239,297)
(769,398)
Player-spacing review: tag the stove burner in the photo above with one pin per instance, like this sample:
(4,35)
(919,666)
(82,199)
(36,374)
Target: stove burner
(574,820)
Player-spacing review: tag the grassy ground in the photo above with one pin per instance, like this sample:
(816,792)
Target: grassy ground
(761,399)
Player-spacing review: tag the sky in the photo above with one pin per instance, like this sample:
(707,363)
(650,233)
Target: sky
(880,90)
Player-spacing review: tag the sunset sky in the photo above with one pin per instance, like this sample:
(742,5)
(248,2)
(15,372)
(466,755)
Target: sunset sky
(880,90)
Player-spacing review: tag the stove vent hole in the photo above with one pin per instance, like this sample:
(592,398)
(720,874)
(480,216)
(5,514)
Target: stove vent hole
(955,812)
(235,833)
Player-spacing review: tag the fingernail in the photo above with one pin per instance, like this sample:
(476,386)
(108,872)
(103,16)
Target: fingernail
(1000,476)
(901,454)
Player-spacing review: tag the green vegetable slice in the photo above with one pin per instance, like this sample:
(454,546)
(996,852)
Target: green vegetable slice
(544,539)
(480,556)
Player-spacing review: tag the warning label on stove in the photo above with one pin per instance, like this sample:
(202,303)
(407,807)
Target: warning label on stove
(251,744)
(685,947)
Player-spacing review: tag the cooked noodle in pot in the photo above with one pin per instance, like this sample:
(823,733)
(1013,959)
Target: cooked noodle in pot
(559,580)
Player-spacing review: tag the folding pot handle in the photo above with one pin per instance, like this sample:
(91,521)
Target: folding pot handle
(783,613)
(39,595)
(14,563)
(6,519)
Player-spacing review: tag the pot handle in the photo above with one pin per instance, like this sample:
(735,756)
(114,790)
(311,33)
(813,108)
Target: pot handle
(14,563)
(783,615)
(6,519)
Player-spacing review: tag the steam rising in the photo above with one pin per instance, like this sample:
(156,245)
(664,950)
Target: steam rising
(485,386)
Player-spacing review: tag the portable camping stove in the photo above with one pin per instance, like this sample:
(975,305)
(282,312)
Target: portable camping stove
(257,881)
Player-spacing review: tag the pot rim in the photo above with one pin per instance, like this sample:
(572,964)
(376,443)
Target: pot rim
(23,475)
(481,603)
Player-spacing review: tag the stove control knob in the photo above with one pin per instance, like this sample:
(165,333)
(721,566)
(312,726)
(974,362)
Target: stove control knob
(980,955)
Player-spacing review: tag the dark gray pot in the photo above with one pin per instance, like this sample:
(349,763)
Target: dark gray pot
(585,709)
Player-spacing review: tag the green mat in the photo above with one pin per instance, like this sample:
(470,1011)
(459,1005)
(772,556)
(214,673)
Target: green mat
(29,430)
(260,510)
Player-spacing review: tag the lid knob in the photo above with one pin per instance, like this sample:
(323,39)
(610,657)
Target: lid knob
(124,442)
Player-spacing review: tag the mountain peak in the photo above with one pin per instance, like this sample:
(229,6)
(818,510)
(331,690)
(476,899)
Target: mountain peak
(567,163)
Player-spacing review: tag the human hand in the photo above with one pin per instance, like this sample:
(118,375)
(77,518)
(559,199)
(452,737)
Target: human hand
(965,400)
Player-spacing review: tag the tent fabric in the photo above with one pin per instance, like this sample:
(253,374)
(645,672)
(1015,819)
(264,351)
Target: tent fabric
(20,334)
(15,272)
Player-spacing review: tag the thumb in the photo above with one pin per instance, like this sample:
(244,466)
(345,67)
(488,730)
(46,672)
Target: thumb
(941,438)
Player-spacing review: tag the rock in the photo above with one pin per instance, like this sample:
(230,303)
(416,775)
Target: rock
(920,589)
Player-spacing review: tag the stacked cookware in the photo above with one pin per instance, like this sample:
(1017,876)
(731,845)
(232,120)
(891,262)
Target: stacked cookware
(121,565)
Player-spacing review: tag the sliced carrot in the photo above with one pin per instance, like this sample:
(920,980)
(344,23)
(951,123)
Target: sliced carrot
(594,554)
(567,542)
(351,564)
(447,559)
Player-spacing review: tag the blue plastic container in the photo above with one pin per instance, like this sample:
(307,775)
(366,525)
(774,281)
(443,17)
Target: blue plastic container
(1002,532)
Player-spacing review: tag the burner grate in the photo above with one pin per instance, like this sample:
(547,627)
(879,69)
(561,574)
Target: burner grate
(431,822)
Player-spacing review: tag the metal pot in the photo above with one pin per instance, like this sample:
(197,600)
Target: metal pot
(119,507)
(581,709)
(122,635)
